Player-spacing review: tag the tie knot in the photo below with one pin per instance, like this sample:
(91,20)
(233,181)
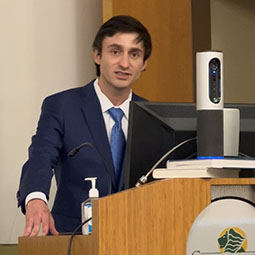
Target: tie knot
(116,114)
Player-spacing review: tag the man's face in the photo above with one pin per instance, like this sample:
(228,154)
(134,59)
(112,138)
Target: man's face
(121,61)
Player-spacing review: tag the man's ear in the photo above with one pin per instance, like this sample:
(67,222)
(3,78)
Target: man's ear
(97,56)
(144,65)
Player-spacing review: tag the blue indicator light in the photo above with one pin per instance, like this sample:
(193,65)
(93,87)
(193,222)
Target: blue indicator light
(211,157)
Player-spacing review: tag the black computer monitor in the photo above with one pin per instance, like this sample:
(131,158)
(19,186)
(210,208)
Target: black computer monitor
(155,128)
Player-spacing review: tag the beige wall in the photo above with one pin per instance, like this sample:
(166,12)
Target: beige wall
(45,47)
(233,32)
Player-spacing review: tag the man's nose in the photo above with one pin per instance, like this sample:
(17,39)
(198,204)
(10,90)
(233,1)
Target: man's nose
(124,61)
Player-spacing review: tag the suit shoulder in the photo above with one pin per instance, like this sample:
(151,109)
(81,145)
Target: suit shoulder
(69,94)
(64,93)
(138,98)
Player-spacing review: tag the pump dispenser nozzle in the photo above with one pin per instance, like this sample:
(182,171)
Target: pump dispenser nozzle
(93,192)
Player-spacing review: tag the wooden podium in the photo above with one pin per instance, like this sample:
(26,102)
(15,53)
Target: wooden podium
(153,219)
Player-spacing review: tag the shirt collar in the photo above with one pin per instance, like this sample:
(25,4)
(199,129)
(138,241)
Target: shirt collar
(106,104)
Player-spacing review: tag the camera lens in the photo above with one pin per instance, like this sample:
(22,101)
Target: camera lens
(215,80)
(214,64)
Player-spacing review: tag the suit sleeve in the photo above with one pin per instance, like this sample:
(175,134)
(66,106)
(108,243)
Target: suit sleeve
(44,151)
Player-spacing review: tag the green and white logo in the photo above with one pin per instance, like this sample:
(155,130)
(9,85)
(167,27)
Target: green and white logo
(225,227)
(232,240)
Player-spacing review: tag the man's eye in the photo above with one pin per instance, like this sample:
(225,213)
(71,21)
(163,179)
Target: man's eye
(115,52)
(135,54)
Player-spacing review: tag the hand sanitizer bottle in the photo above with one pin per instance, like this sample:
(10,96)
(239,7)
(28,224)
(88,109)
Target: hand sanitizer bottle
(86,206)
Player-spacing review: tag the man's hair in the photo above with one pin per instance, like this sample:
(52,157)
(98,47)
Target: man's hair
(122,24)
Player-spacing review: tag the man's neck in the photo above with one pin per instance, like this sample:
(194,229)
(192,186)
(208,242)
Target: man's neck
(116,95)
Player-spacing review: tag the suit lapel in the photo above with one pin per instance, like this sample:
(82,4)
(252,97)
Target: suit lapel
(93,116)
(94,119)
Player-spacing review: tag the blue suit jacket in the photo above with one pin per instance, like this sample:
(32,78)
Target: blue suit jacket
(68,119)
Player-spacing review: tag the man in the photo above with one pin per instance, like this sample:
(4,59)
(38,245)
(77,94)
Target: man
(121,49)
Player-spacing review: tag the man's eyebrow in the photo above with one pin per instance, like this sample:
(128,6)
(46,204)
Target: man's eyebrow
(136,49)
(115,45)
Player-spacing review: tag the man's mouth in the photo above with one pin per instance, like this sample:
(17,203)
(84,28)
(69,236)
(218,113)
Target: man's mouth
(122,75)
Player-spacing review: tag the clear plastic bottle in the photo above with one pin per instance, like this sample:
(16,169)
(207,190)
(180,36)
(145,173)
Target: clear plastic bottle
(86,206)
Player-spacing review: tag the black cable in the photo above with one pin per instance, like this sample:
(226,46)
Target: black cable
(242,155)
(73,152)
(191,156)
(142,180)
(74,233)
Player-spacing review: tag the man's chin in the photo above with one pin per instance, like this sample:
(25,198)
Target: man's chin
(122,83)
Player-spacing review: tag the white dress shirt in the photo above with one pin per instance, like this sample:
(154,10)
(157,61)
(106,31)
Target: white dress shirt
(105,104)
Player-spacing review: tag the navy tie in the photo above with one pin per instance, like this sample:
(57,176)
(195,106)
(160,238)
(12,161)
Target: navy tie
(117,141)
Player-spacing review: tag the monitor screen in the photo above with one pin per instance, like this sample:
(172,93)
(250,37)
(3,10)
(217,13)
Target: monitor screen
(155,128)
